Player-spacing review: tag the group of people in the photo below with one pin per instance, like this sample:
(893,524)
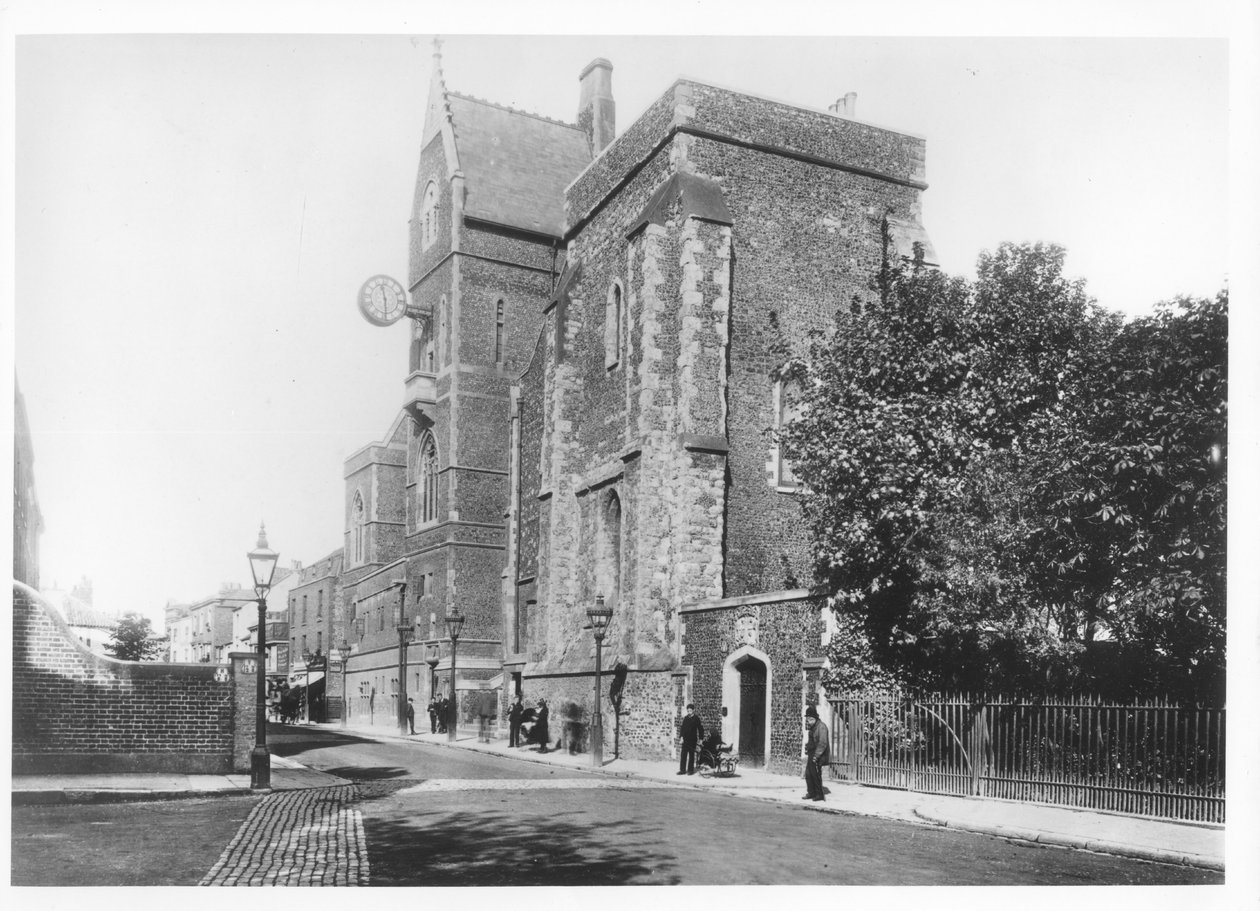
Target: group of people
(529,725)
(817,747)
(692,732)
(439,711)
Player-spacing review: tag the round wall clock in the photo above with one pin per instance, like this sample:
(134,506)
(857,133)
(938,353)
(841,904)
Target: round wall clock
(382,300)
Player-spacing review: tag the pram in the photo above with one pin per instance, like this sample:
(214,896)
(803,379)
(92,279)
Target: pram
(714,758)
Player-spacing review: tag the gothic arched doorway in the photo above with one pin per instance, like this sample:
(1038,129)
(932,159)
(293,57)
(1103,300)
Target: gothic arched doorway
(746,695)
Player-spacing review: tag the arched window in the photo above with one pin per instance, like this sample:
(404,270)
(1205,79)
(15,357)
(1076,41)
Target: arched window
(440,340)
(415,354)
(787,407)
(421,351)
(358,530)
(429,216)
(612,327)
(498,333)
(427,481)
(608,554)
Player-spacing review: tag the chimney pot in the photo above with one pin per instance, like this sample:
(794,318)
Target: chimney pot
(846,106)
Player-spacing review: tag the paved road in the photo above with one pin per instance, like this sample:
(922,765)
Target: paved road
(435,816)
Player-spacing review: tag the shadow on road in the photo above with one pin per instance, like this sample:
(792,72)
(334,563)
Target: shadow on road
(367,773)
(284,740)
(448,849)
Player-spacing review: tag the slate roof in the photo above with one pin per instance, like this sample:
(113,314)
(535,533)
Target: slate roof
(516,165)
(79,613)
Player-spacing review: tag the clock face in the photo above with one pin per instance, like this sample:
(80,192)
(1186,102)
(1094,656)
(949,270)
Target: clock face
(382,300)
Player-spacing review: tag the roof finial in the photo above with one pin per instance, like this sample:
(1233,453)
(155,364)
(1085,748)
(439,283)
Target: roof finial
(437,51)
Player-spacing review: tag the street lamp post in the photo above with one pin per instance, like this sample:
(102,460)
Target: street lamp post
(599,616)
(404,636)
(454,625)
(360,627)
(307,659)
(432,653)
(262,562)
(343,654)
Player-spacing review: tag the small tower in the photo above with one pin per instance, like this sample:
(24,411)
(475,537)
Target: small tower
(597,112)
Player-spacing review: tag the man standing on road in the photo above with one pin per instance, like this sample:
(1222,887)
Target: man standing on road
(432,716)
(411,715)
(692,731)
(817,754)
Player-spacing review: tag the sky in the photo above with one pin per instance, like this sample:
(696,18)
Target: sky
(195,213)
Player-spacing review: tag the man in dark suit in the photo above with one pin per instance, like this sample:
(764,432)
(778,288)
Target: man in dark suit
(515,715)
(692,731)
(817,754)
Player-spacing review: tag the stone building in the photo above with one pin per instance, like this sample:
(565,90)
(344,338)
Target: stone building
(599,321)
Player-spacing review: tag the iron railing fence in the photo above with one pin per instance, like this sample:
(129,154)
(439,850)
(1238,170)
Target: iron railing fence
(1152,758)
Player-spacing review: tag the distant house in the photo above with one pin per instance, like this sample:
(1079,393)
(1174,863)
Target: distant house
(93,627)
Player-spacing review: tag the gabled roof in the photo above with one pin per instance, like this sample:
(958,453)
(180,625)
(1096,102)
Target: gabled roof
(516,165)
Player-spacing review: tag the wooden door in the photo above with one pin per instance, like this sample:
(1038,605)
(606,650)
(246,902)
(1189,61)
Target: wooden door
(752,713)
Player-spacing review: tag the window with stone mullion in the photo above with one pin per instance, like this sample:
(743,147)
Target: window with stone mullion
(426,481)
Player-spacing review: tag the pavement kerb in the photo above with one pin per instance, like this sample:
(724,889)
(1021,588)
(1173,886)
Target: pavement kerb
(120,795)
(1054,839)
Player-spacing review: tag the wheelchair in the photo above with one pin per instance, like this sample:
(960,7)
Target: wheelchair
(714,759)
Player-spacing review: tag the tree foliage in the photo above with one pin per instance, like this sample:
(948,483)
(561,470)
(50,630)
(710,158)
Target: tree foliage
(132,639)
(999,476)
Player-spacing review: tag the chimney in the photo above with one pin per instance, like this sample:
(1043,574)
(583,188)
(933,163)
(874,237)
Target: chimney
(597,112)
(846,106)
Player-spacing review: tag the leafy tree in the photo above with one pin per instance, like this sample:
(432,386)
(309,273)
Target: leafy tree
(132,639)
(1138,502)
(984,465)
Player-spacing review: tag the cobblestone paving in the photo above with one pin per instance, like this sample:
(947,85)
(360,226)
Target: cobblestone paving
(297,838)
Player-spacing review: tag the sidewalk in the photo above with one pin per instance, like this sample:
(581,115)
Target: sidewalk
(1157,840)
(286,775)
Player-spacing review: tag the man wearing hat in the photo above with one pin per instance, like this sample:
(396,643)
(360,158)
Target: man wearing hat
(692,732)
(817,754)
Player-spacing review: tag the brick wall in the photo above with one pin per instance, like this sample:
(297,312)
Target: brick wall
(78,712)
